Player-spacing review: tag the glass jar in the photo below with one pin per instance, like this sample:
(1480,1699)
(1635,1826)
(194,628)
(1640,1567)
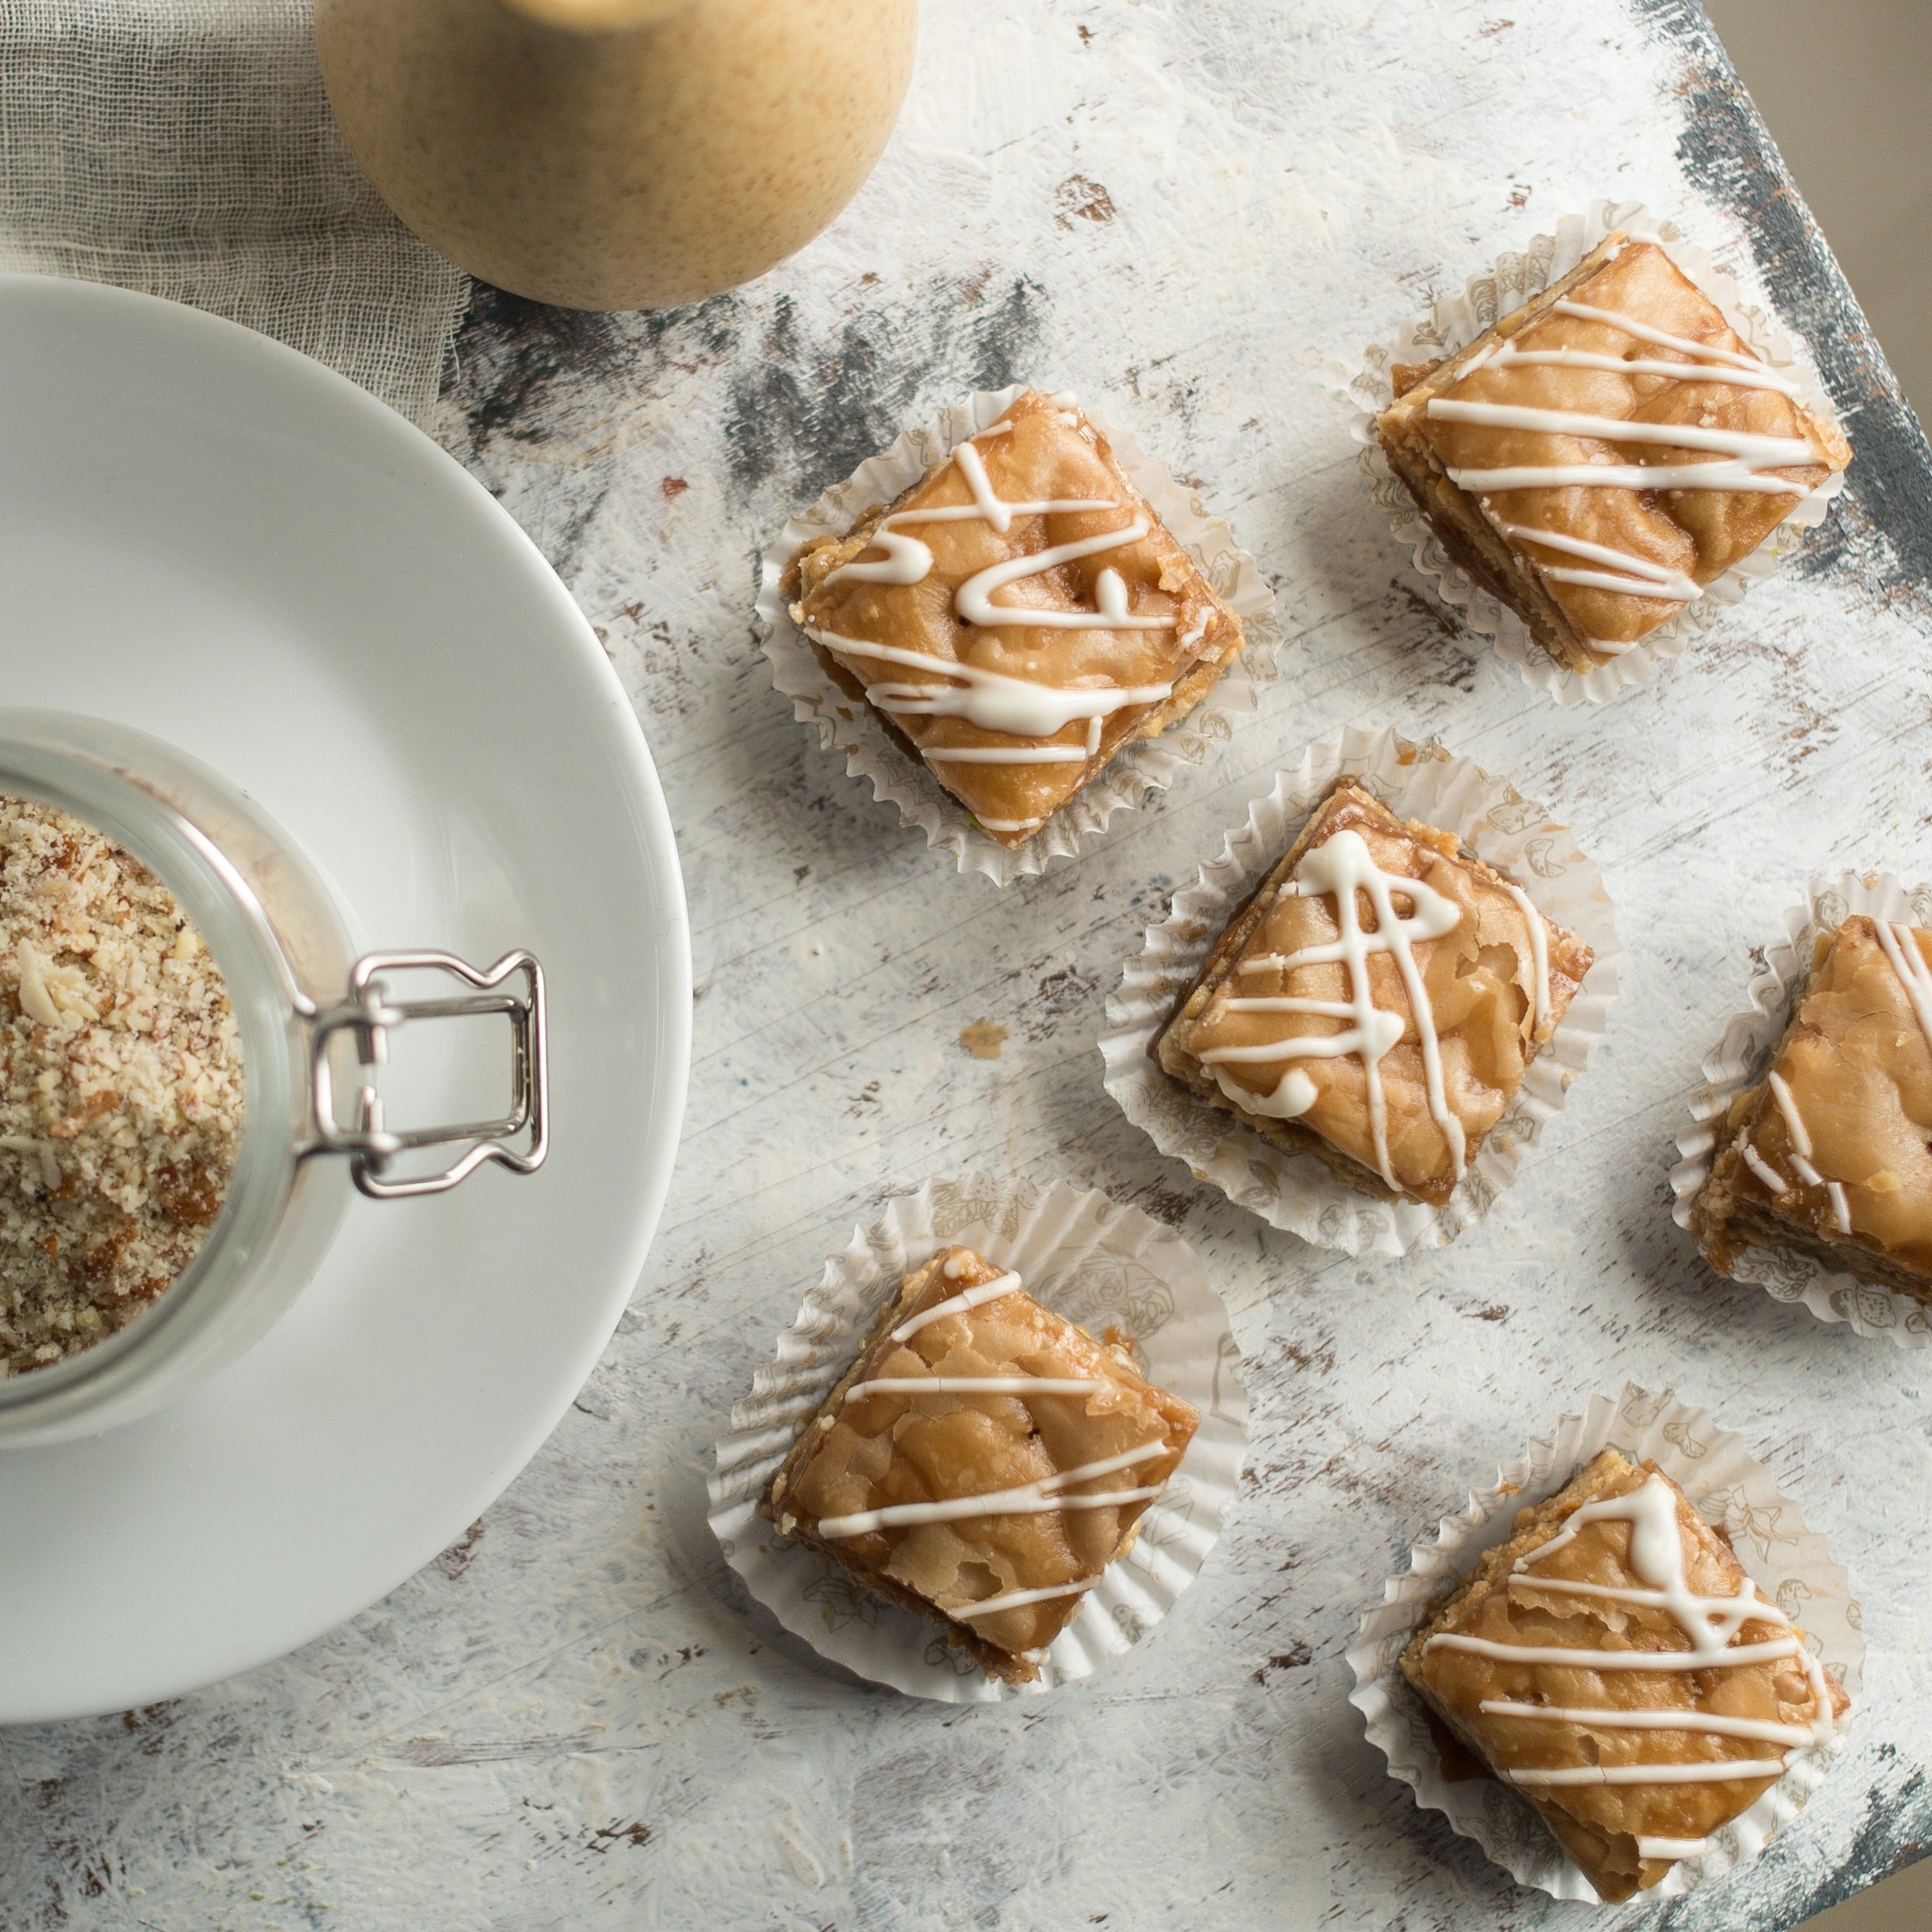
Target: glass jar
(308,1011)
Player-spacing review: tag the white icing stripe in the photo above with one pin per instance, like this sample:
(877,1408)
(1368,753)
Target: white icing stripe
(1018,1599)
(1007,824)
(1294,1094)
(973,599)
(1511,357)
(1014,705)
(1731,1772)
(1758,452)
(1539,949)
(1801,1153)
(1610,647)
(1673,582)
(1001,1502)
(1738,477)
(1657,1600)
(1644,332)
(1737,1655)
(1758,1730)
(1028,1499)
(1841,1208)
(994,754)
(1762,1169)
(975,1385)
(1671,1848)
(1339,868)
(1794,1121)
(1901,950)
(957,1304)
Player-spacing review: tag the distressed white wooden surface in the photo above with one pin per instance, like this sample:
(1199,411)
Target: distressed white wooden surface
(1193,213)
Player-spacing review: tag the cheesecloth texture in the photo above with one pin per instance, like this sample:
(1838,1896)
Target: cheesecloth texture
(185,148)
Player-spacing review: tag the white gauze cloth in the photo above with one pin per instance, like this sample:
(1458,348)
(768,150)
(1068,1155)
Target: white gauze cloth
(185,148)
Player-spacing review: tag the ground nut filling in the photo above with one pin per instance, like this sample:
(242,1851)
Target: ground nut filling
(121,1090)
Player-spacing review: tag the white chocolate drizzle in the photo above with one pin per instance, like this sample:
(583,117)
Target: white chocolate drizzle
(1755,1730)
(967,1299)
(1722,1770)
(1709,1624)
(1743,455)
(1800,1152)
(1745,446)
(992,701)
(1671,1848)
(1637,576)
(1018,1599)
(1901,951)
(1342,866)
(1684,344)
(1762,1168)
(975,1385)
(1035,1498)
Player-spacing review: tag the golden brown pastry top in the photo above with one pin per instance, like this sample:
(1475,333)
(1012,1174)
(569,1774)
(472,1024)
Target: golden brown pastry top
(1856,1069)
(1661,535)
(1042,450)
(1590,1592)
(1478,975)
(897,1448)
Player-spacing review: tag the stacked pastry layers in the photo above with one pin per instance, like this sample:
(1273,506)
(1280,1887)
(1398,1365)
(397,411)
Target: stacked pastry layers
(1376,1002)
(1831,1153)
(1600,455)
(1614,1666)
(1017,617)
(983,1461)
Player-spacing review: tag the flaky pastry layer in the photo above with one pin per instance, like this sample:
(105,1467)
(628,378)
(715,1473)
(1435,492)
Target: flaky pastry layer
(1842,1158)
(900,1447)
(1623,560)
(1478,980)
(1178,635)
(1618,1832)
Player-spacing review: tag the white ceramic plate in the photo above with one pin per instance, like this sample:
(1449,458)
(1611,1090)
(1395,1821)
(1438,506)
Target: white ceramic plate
(205,534)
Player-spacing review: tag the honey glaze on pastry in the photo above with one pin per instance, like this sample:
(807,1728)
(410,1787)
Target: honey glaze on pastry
(983,1463)
(1603,454)
(1377,1002)
(1831,1153)
(1640,1691)
(1018,615)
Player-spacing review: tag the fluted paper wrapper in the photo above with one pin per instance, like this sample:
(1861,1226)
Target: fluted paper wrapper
(1739,1060)
(844,723)
(1454,322)
(1729,1489)
(1295,1192)
(1084,1257)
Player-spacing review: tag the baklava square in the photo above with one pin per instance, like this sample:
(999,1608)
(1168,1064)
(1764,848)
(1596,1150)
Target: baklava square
(1614,1666)
(1598,457)
(1017,617)
(1376,1001)
(1831,1153)
(983,1461)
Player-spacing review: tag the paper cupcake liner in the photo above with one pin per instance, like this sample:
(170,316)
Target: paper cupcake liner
(1152,764)
(1738,1060)
(1730,1489)
(1296,1191)
(1080,1256)
(1456,321)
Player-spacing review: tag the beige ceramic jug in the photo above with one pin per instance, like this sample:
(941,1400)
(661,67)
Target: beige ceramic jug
(615,154)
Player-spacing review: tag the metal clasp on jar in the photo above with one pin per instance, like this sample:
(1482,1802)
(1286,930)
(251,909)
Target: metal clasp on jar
(370,1014)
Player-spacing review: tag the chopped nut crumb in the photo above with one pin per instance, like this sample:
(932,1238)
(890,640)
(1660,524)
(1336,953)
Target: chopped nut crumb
(121,1088)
